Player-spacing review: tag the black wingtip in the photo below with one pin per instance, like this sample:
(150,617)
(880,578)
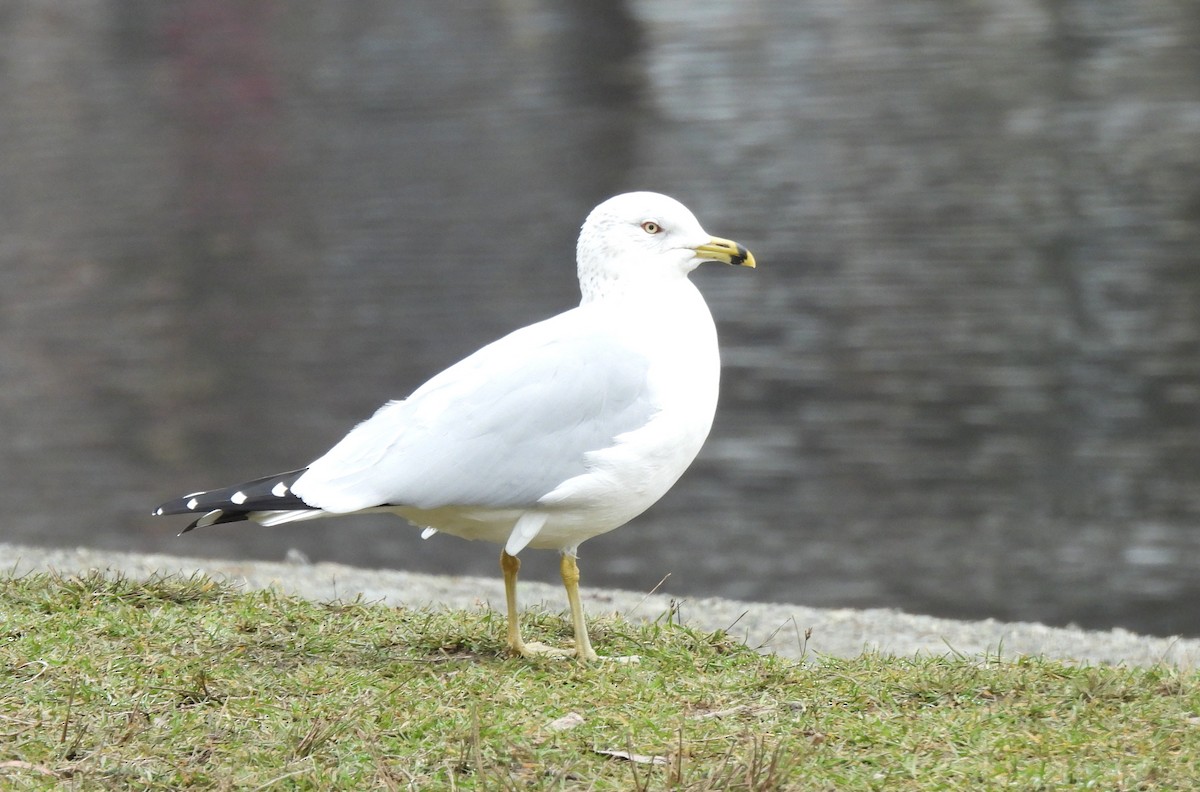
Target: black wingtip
(233,504)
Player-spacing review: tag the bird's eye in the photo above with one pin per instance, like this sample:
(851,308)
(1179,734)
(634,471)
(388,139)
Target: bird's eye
(651,227)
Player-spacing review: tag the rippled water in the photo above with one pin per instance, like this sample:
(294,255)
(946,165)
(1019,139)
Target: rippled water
(965,379)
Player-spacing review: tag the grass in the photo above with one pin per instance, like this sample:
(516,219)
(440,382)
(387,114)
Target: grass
(112,683)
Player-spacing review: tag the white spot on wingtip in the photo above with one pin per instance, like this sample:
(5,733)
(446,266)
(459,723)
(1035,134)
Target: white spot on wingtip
(279,490)
(193,503)
(428,532)
(238,497)
(158,512)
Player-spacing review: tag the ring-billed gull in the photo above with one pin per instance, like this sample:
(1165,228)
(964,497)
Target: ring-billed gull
(555,433)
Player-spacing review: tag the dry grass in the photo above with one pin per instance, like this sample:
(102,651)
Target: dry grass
(110,683)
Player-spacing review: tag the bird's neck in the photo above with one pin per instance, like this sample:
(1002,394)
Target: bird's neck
(632,283)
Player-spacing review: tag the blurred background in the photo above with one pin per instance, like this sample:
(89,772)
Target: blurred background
(964,381)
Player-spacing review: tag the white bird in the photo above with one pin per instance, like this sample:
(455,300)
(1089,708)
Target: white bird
(555,433)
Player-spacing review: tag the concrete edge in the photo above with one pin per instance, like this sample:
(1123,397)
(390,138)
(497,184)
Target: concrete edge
(775,627)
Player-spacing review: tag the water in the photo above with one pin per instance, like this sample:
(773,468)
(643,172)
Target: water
(964,381)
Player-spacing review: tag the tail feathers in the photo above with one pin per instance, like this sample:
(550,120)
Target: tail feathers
(236,503)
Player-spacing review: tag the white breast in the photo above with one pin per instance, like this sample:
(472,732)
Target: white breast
(627,478)
(675,333)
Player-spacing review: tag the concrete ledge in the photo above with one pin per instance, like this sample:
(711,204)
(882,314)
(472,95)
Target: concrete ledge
(779,628)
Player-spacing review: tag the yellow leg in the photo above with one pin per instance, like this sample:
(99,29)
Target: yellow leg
(510,565)
(570,578)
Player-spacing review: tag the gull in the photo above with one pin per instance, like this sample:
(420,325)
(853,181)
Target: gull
(555,433)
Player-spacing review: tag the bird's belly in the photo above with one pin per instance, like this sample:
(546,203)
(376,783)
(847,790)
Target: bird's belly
(489,525)
(619,483)
(564,528)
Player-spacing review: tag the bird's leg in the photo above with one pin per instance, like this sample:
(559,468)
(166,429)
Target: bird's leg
(570,579)
(510,565)
(569,568)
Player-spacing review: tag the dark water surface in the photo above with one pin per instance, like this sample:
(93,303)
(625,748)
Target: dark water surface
(964,381)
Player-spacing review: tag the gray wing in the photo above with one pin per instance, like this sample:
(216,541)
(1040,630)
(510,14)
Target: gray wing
(500,429)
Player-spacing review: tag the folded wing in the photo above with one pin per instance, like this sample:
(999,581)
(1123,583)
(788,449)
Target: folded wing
(500,429)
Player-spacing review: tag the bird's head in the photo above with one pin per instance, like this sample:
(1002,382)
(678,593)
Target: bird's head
(645,236)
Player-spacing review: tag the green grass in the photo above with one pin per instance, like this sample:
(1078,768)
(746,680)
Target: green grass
(119,684)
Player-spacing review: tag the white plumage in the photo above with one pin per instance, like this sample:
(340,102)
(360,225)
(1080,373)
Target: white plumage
(555,433)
